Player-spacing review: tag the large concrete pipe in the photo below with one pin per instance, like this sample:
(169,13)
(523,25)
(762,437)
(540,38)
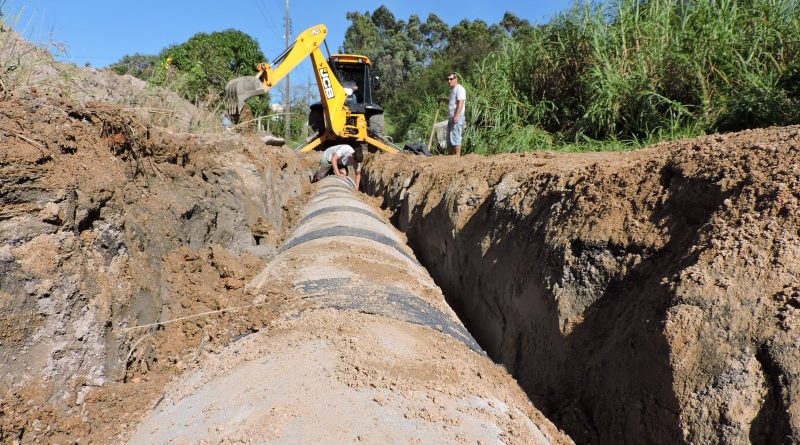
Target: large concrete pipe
(365,351)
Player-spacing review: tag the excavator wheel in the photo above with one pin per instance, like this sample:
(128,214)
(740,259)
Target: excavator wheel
(316,120)
(376,126)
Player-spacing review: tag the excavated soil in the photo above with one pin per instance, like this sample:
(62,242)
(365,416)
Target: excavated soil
(108,223)
(645,297)
(367,352)
(29,70)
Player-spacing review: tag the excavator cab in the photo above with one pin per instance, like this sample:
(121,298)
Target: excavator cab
(353,72)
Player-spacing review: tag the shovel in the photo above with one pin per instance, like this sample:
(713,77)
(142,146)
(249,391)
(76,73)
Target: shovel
(433,127)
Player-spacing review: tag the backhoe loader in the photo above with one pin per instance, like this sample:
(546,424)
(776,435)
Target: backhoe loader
(346,112)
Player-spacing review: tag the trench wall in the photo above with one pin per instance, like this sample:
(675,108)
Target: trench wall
(113,233)
(629,294)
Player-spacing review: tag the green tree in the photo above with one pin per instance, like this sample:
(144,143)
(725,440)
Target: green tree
(397,48)
(519,29)
(435,32)
(142,66)
(470,42)
(200,68)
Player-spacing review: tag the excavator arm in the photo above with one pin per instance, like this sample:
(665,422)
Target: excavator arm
(306,45)
(331,92)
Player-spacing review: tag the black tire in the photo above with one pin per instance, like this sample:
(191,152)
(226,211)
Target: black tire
(316,120)
(376,126)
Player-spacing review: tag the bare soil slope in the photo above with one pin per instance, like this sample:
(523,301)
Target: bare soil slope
(108,223)
(28,69)
(646,297)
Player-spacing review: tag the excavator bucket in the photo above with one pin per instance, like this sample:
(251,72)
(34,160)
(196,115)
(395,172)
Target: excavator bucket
(238,90)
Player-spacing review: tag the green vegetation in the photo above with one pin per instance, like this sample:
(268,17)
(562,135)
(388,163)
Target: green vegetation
(602,75)
(199,68)
(138,65)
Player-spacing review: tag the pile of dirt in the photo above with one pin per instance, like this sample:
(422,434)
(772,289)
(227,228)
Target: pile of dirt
(645,297)
(109,227)
(27,70)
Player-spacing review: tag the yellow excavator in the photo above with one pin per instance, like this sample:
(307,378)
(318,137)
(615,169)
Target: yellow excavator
(346,112)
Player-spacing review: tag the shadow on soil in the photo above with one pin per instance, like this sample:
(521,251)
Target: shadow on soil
(608,379)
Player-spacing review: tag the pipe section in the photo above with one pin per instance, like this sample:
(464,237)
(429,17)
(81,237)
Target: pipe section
(363,349)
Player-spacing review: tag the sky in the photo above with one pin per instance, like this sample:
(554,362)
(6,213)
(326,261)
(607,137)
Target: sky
(100,32)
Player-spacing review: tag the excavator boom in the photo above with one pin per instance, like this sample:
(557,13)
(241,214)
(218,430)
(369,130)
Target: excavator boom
(341,123)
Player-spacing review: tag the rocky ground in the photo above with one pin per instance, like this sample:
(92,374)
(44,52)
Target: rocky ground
(645,297)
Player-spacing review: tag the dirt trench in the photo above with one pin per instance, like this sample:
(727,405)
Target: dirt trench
(108,224)
(645,297)
(366,351)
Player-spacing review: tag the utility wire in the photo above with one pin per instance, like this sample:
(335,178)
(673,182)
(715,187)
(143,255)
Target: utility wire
(272,45)
(262,7)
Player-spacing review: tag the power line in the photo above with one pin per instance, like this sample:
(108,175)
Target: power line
(262,7)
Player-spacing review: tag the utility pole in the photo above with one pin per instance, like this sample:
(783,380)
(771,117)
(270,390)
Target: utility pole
(287,96)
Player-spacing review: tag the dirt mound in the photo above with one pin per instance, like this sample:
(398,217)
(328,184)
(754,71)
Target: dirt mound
(28,70)
(108,223)
(646,297)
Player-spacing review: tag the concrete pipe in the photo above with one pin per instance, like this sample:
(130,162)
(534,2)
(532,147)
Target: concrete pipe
(365,350)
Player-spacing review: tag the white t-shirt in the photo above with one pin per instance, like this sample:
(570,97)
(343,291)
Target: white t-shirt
(344,151)
(457,93)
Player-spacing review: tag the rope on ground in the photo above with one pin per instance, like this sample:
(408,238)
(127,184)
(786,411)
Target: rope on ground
(150,110)
(202,314)
(28,140)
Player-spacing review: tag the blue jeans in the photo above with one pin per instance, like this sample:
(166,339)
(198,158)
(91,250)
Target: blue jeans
(454,131)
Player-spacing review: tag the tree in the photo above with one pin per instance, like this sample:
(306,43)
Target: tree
(435,31)
(395,47)
(470,42)
(517,28)
(206,62)
(138,65)
(362,35)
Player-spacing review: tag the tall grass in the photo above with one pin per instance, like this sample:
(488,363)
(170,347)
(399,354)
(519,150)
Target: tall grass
(27,67)
(633,71)
(23,64)
(500,119)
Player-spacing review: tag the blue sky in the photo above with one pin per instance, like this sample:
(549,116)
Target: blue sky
(100,32)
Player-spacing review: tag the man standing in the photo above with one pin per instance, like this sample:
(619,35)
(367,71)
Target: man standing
(336,159)
(455,109)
